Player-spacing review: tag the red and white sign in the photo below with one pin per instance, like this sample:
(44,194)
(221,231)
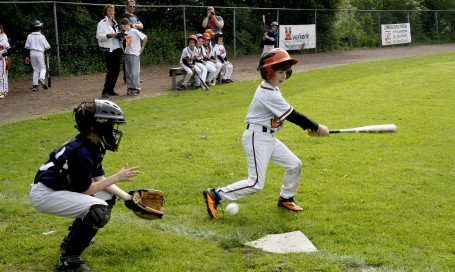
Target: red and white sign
(297,37)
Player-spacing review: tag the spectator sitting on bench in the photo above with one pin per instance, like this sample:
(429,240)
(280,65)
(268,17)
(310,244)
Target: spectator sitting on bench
(220,53)
(210,59)
(188,62)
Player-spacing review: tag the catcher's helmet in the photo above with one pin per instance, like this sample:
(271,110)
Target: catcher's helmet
(272,58)
(36,25)
(274,23)
(99,117)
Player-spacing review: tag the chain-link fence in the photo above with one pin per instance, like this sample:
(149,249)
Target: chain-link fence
(70,29)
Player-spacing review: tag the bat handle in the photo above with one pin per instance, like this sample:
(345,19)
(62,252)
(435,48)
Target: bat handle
(334,131)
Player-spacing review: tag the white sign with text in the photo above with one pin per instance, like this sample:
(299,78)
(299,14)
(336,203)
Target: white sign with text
(296,37)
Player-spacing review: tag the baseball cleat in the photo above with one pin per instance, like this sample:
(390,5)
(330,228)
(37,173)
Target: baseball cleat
(289,204)
(43,83)
(71,263)
(212,202)
(182,87)
(35,88)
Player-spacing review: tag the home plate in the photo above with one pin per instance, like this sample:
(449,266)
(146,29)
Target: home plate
(290,242)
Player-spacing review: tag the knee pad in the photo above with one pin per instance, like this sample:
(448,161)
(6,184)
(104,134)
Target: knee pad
(98,216)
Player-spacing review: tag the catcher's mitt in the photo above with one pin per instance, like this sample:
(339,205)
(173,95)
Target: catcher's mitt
(146,203)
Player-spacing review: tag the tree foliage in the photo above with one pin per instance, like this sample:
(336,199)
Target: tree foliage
(167,22)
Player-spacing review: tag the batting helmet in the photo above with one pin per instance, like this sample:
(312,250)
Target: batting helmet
(272,58)
(219,35)
(99,117)
(36,25)
(206,36)
(274,23)
(191,37)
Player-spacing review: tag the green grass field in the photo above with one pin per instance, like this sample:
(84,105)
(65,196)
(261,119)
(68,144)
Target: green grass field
(373,202)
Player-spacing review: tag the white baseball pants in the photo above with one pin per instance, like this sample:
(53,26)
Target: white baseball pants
(189,73)
(64,203)
(202,73)
(3,77)
(39,67)
(211,71)
(228,69)
(261,148)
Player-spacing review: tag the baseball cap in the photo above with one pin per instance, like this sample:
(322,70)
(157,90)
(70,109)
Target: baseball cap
(209,31)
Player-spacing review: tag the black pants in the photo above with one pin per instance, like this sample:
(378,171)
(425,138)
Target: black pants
(113,60)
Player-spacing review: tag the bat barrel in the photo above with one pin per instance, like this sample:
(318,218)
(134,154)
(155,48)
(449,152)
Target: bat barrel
(368,129)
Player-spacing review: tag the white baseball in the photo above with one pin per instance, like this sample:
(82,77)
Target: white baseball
(232,208)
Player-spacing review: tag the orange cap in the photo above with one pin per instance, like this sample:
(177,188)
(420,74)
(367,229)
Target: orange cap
(209,31)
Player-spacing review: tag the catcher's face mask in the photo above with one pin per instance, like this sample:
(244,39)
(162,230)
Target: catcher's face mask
(109,135)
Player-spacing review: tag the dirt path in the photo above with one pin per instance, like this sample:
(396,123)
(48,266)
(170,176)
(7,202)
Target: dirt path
(67,92)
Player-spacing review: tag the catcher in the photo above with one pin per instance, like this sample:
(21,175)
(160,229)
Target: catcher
(71,183)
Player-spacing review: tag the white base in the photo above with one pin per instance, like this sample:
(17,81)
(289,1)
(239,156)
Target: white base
(290,242)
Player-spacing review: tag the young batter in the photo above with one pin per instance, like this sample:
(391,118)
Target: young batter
(270,37)
(36,46)
(219,52)
(71,182)
(188,62)
(265,117)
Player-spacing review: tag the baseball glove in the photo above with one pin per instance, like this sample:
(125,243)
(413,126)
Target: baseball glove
(146,203)
(121,35)
(8,63)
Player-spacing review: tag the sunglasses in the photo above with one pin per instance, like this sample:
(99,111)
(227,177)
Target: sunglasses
(131,6)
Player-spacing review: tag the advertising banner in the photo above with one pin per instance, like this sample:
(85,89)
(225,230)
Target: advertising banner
(296,37)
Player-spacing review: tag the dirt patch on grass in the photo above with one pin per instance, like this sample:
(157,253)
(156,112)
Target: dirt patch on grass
(68,91)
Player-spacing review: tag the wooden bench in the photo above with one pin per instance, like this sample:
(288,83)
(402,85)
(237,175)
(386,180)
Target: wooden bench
(178,71)
(174,72)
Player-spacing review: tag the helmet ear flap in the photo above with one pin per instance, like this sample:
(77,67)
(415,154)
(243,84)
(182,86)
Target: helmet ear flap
(266,72)
(265,68)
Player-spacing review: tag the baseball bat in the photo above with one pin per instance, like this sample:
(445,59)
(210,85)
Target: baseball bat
(49,81)
(202,82)
(367,129)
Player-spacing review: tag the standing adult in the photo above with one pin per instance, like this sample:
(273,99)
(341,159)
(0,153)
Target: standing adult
(129,14)
(4,47)
(109,39)
(213,22)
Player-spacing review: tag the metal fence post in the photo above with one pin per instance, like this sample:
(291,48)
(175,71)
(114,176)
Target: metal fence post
(379,28)
(184,27)
(56,38)
(315,23)
(437,26)
(350,30)
(235,40)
